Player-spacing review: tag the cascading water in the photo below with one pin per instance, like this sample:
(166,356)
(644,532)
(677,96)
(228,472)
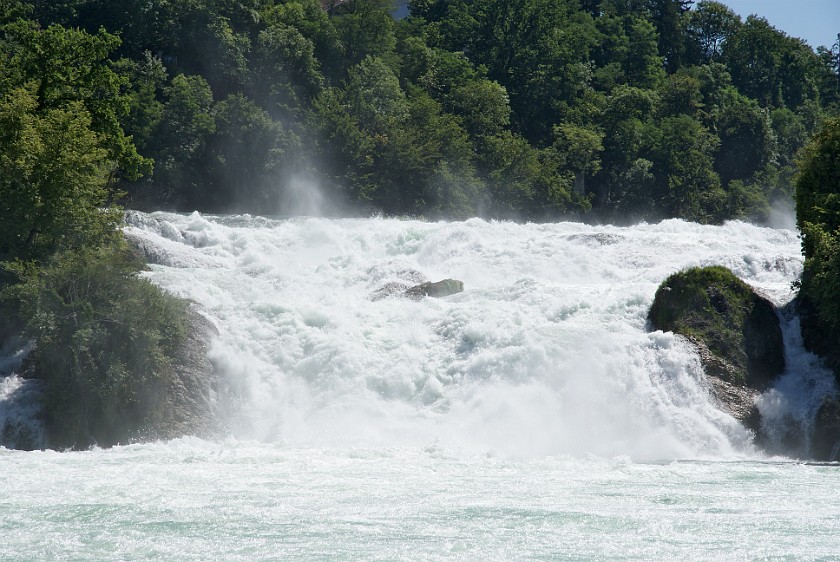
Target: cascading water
(545,352)
(531,416)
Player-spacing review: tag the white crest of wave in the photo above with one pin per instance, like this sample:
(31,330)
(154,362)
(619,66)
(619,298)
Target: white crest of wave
(545,352)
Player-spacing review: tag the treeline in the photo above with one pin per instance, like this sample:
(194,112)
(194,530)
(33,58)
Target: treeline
(622,109)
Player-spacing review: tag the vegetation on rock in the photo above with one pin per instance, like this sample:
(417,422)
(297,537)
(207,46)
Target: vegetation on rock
(712,306)
(103,341)
(103,336)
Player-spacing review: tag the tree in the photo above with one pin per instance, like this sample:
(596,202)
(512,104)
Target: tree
(71,66)
(769,66)
(285,72)
(747,142)
(669,18)
(818,217)
(818,183)
(249,157)
(365,28)
(709,25)
(178,145)
(683,157)
(537,49)
(53,174)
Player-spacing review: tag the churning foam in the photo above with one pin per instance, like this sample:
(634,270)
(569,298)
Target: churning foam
(545,352)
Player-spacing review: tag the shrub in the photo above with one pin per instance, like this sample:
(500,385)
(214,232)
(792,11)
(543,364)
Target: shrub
(103,336)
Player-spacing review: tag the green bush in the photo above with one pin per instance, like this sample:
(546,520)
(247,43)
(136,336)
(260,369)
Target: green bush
(103,336)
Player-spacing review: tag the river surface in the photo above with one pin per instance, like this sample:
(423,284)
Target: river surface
(532,416)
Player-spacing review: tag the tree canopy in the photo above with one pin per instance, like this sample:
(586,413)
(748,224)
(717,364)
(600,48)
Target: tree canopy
(615,109)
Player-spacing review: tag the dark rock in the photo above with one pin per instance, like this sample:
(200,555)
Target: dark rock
(739,401)
(736,333)
(825,441)
(437,289)
(190,404)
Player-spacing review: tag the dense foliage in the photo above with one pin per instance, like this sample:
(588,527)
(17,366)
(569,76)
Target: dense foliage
(626,110)
(818,216)
(104,338)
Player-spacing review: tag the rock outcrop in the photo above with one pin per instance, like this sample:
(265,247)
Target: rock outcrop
(190,396)
(735,331)
(438,289)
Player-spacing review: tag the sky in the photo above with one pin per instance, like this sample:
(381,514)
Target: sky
(815,21)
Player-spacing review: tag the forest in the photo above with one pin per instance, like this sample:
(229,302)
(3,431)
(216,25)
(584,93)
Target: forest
(608,110)
(600,110)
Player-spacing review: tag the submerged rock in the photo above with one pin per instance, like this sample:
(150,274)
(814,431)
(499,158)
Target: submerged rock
(736,333)
(437,289)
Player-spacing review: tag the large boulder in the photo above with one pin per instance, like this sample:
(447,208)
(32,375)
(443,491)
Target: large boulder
(735,331)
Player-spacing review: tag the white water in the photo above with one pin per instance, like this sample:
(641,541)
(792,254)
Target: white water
(531,416)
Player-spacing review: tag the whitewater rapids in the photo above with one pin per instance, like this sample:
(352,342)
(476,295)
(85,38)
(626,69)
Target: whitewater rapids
(545,352)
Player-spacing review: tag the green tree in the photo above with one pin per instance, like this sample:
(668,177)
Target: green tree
(818,183)
(69,66)
(769,66)
(249,157)
(365,28)
(537,49)
(747,142)
(178,145)
(709,25)
(285,72)
(683,157)
(53,178)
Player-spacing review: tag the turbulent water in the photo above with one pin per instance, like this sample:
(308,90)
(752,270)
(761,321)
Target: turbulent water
(532,416)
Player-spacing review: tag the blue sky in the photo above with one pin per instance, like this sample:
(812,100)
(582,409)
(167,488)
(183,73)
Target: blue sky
(816,21)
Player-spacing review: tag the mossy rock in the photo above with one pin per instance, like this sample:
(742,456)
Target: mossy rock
(714,308)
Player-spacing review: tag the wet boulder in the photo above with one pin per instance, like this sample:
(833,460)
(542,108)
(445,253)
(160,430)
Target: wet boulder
(438,289)
(735,330)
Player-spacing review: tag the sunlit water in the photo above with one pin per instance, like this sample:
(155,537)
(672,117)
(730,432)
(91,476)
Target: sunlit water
(532,416)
